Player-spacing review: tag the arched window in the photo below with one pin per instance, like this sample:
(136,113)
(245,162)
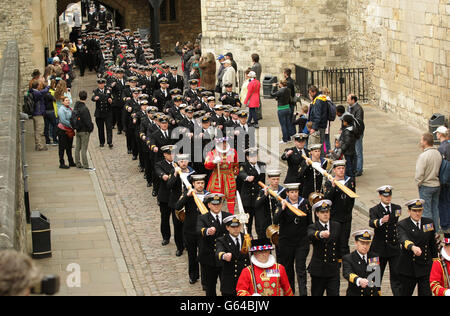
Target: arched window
(168,11)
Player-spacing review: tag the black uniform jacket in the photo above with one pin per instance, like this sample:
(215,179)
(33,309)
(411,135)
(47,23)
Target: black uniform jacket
(326,254)
(266,206)
(355,267)
(294,160)
(102,106)
(249,190)
(410,235)
(293,228)
(385,241)
(342,207)
(231,270)
(208,244)
(163,168)
(192,213)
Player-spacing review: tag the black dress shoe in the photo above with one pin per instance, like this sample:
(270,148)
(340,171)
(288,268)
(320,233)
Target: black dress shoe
(134,157)
(130,152)
(64,167)
(179,253)
(72,164)
(149,185)
(111,146)
(192,281)
(102,145)
(358,174)
(154,193)
(165,242)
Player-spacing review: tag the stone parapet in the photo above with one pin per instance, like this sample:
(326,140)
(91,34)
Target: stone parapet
(12,218)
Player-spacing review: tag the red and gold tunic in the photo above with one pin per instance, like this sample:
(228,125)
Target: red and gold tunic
(438,281)
(272,281)
(229,170)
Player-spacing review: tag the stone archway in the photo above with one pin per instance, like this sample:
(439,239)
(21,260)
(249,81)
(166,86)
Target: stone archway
(136,15)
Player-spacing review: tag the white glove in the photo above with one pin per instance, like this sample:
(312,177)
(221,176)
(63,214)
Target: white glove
(447,293)
(316,164)
(217,159)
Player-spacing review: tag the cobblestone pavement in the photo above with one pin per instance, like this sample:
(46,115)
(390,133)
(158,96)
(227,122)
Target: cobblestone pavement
(155,270)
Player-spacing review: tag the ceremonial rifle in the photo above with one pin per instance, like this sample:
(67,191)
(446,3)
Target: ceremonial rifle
(295,210)
(341,186)
(197,200)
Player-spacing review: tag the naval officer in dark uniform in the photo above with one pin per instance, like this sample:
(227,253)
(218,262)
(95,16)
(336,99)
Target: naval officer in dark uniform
(229,253)
(103,112)
(359,266)
(210,227)
(384,219)
(324,266)
(419,250)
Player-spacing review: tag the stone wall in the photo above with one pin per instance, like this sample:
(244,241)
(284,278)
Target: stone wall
(283,32)
(405,44)
(15,24)
(32,24)
(12,212)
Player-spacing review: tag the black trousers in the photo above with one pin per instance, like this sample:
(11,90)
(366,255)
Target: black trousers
(141,149)
(344,237)
(212,273)
(117,118)
(65,146)
(166,212)
(250,210)
(320,284)
(147,166)
(102,124)
(295,255)
(191,242)
(409,284)
(396,284)
(131,141)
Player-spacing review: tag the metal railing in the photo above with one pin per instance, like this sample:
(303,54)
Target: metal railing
(340,81)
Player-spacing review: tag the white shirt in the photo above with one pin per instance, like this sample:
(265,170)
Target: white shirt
(237,238)
(390,211)
(323,224)
(364,258)
(417,224)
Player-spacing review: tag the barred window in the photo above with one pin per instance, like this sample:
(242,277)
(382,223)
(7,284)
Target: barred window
(168,11)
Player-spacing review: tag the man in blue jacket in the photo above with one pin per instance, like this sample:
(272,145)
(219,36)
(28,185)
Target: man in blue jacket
(318,113)
(38,115)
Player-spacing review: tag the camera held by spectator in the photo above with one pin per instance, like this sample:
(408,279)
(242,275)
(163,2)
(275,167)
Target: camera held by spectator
(19,276)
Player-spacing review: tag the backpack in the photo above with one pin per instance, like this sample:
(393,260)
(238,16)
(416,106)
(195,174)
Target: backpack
(75,120)
(28,103)
(444,171)
(331,110)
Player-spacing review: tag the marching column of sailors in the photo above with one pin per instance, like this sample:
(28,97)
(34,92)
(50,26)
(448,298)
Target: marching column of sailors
(144,98)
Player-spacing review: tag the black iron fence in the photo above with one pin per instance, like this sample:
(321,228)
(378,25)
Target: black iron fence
(340,81)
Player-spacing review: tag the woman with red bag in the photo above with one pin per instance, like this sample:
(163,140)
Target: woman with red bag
(65,134)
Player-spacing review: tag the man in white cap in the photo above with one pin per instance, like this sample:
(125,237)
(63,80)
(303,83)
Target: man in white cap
(253,98)
(359,265)
(419,250)
(324,266)
(442,134)
(384,219)
(229,75)
(230,253)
